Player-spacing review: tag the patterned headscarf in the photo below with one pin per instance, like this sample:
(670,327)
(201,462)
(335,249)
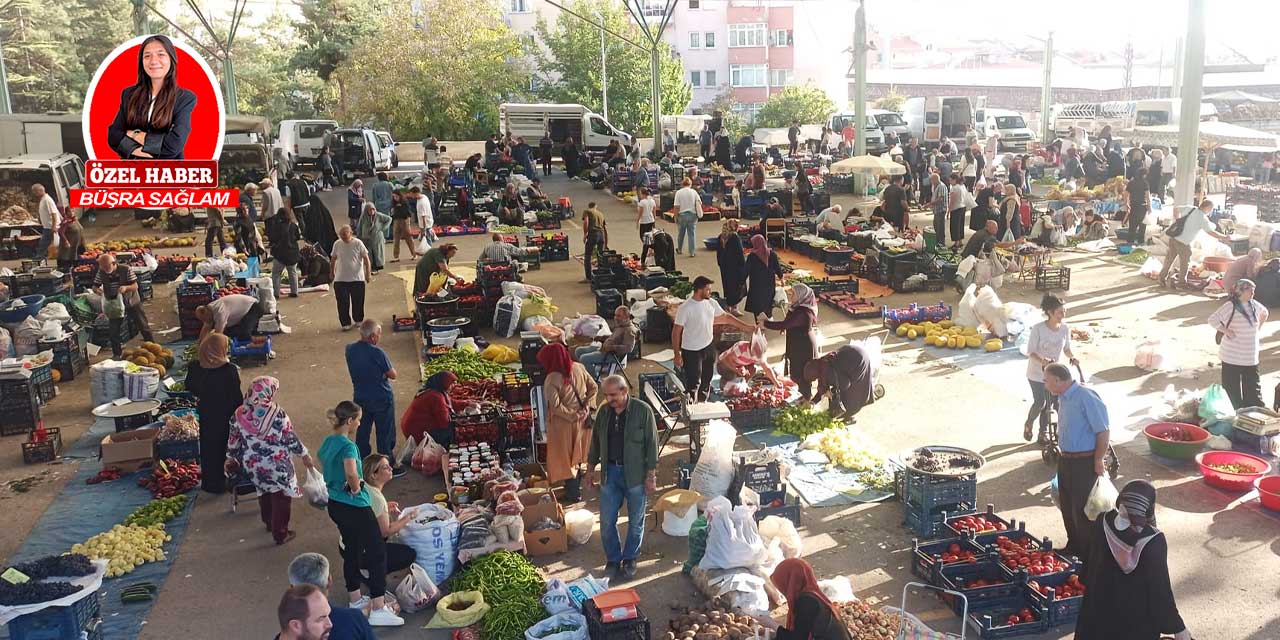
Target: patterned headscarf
(260,413)
(804,298)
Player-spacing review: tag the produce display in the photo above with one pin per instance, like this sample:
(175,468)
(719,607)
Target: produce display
(170,477)
(468,462)
(1026,554)
(157,511)
(1071,589)
(977,524)
(150,354)
(802,421)
(867,623)
(474,393)
(947,334)
(1232,468)
(179,428)
(14,215)
(136,243)
(759,397)
(846,447)
(680,289)
(107,474)
(500,353)
(510,228)
(508,619)
(1023,616)
(712,623)
(500,576)
(33,592)
(931,461)
(230,289)
(467,365)
(71,565)
(1178,434)
(125,547)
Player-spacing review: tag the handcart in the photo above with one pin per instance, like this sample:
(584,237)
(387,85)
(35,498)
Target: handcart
(1050,450)
(912,628)
(239,484)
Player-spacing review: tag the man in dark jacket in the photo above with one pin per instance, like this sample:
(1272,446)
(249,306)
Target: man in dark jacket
(625,443)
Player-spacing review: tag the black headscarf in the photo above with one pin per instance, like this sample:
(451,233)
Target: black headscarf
(318,225)
(1125,538)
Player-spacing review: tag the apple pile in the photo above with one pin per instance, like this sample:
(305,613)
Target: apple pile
(1072,589)
(976,524)
(1024,554)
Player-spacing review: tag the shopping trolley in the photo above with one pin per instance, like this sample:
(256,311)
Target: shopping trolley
(912,628)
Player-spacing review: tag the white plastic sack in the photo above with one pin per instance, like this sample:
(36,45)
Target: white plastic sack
(784,531)
(314,489)
(266,292)
(837,589)
(1151,268)
(416,592)
(106,381)
(640,311)
(966,266)
(6,344)
(1153,355)
(1101,499)
(511,288)
(433,534)
(55,311)
(578,524)
(591,326)
(532,321)
(990,312)
(714,472)
(141,385)
(541,631)
(964,315)
(556,599)
(732,538)
(26,337)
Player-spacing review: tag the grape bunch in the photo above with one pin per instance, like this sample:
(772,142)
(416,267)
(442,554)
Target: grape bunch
(71,565)
(34,592)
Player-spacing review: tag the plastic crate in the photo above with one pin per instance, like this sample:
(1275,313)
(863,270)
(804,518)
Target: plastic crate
(987,537)
(790,510)
(1072,567)
(958,577)
(19,407)
(753,419)
(989,624)
(891,317)
(636,628)
(45,451)
(606,301)
(58,623)
(42,380)
(177,449)
(516,388)
(1049,278)
(933,492)
(928,522)
(927,557)
(247,350)
(1060,611)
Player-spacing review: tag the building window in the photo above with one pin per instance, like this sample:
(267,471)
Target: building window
(780,38)
(695,79)
(779,77)
(746,35)
(747,111)
(695,4)
(695,40)
(710,77)
(655,9)
(709,40)
(534,83)
(747,75)
(519,6)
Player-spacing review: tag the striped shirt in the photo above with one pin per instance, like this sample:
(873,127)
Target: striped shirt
(1241,348)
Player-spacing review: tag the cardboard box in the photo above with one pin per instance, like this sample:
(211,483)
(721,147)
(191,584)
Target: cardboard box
(128,446)
(550,541)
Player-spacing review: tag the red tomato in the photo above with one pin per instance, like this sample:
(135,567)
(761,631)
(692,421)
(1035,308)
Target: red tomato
(1012,620)
(955,548)
(1027,617)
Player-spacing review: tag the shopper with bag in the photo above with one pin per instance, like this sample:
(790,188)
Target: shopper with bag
(119,291)
(802,344)
(215,383)
(430,412)
(1238,323)
(348,624)
(624,443)
(764,270)
(1083,436)
(263,443)
(810,613)
(570,393)
(1181,234)
(376,470)
(1127,591)
(350,508)
(1045,345)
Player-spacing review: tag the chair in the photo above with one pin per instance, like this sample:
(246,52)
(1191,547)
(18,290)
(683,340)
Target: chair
(618,364)
(775,231)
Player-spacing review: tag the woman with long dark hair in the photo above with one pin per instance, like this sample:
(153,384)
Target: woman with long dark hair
(154,119)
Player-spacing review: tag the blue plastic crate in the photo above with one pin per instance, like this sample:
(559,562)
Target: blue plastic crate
(931,492)
(927,557)
(1062,611)
(247,350)
(177,449)
(960,577)
(989,624)
(58,623)
(928,522)
(988,537)
(753,419)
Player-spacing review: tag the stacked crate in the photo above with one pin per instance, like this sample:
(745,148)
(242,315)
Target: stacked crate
(928,500)
(190,296)
(19,403)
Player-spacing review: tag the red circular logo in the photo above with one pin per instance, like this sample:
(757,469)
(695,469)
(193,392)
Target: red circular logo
(119,71)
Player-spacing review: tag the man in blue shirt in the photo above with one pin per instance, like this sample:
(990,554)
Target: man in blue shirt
(348,624)
(371,376)
(1083,435)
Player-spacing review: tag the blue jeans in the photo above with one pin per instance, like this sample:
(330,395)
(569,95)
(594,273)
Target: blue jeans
(381,415)
(42,249)
(613,490)
(592,358)
(688,224)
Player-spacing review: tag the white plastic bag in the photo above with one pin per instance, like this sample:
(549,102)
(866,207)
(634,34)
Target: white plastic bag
(1101,499)
(732,538)
(784,531)
(964,315)
(423,243)
(714,472)
(837,589)
(416,592)
(541,631)
(1151,268)
(556,599)
(314,489)
(433,534)
(1152,355)
(579,524)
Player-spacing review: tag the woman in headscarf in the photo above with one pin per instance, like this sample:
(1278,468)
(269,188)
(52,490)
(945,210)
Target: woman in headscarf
(733,266)
(1239,324)
(1244,267)
(571,399)
(317,224)
(1127,592)
(810,614)
(263,443)
(372,231)
(763,272)
(215,383)
(742,360)
(802,344)
(845,373)
(431,410)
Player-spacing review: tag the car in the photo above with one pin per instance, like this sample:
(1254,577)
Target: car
(389,149)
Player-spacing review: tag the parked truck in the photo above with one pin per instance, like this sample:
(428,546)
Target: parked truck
(1121,115)
(932,119)
(530,121)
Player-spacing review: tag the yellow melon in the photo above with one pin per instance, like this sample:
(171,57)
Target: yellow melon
(994,344)
(972,341)
(902,330)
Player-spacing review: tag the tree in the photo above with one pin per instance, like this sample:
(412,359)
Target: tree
(408,88)
(731,122)
(569,66)
(891,101)
(43,71)
(330,29)
(97,28)
(805,104)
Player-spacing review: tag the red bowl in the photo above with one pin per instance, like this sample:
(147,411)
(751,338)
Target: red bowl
(1231,481)
(1268,491)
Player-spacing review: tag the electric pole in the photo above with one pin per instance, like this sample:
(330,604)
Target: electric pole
(1046,92)
(860,79)
(5,105)
(604,74)
(1192,86)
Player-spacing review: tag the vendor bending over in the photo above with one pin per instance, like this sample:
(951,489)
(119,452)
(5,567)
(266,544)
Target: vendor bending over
(431,411)
(435,260)
(235,316)
(846,373)
(810,614)
(620,343)
(741,361)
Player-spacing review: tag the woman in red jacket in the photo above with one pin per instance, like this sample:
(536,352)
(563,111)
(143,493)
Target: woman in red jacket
(431,410)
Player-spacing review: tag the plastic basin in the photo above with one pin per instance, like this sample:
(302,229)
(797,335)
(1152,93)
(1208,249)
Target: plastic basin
(1216,264)
(1268,491)
(11,315)
(1157,438)
(1227,480)
(1124,249)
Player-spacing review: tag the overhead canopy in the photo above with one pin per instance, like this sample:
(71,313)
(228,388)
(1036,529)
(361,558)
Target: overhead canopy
(1213,133)
(873,165)
(691,125)
(1238,96)
(778,137)
(248,124)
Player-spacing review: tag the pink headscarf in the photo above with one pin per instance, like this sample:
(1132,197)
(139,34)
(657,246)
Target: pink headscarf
(260,414)
(760,247)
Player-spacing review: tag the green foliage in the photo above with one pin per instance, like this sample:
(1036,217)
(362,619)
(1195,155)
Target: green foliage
(891,101)
(416,86)
(732,122)
(44,73)
(97,28)
(806,104)
(330,29)
(569,67)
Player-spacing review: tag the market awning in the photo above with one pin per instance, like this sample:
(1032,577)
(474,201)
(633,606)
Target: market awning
(1238,96)
(874,165)
(1212,134)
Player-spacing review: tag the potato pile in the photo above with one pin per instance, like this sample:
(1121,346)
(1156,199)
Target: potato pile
(867,623)
(712,624)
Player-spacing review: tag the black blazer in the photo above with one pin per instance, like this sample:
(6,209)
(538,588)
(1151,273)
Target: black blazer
(164,144)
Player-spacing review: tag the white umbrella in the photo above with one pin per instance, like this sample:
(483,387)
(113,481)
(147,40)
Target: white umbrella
(873,165)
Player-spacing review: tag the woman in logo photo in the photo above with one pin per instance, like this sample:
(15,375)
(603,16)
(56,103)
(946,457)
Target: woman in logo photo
(154,119)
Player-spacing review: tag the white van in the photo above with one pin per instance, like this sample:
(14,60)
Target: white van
(932,119)
(359,151)
(54,132)
(891,122)
(58,172)
(301,141)
(1155,113)
(1010,126)
(870,129)
(529,121)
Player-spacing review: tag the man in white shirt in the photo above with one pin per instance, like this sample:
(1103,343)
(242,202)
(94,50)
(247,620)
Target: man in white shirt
(831,221)
(272,200)
(423,211)
(688,206)
(50,220)
(234,315)
(693,337)
(1182,233)
(1168,168)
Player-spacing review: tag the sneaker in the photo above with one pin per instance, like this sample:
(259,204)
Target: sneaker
(612,569)
(628,570)
(361,604)
(384,617)
(399,471)
(347,327)
(1026,432)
